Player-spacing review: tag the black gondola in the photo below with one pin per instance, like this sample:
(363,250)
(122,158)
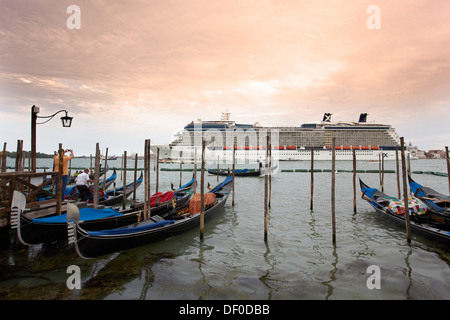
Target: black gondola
(438,204)
(115,196)
(91,244)
(91,175)
(182,196)
(72,192)
(237,172)
(54,227)
(420,223)
(241,172)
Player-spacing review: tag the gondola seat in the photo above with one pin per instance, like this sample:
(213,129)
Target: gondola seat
(160,197)
(196,202)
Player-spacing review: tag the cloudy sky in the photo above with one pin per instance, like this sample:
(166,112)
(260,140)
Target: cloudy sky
(142,69)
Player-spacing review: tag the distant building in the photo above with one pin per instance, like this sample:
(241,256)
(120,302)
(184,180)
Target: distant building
(435,154)
(421,154)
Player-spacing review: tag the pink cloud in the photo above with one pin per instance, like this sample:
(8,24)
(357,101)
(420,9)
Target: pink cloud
(196,59)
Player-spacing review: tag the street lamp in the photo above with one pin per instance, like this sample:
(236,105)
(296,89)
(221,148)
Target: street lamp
(65,120)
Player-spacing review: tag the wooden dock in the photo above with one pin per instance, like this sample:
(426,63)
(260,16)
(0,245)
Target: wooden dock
(31,184)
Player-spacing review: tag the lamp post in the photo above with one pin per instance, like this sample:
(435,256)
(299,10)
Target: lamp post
(65,120)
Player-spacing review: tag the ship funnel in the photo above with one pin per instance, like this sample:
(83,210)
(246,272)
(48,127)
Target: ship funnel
(326,117)
(363,117)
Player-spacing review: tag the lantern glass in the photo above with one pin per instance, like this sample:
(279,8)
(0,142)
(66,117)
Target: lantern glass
(66,121)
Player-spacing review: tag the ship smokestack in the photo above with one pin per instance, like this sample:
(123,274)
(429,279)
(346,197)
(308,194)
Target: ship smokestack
(363,117)
(326,117)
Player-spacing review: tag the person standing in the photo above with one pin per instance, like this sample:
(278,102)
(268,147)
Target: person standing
(81,182)
(65,175)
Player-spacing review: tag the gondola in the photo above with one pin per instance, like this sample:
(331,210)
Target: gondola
(54,227)
(437,203)
(237,172)
(420,221)
(72,192)
(161,207)
(115,196)
(241,172)
(91,244)
(91,175)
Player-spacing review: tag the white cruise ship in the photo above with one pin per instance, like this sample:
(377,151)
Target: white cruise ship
(369,140)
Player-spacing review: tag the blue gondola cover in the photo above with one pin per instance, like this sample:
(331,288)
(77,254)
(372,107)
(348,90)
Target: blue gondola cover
(85,215)
(120,231)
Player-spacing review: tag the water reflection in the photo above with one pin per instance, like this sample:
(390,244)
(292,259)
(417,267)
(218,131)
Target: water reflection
(409,271)
(333,272)
(204,278)
(264,278)
(233,262)
(120,270)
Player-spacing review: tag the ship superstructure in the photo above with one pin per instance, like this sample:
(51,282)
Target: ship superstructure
(368,139)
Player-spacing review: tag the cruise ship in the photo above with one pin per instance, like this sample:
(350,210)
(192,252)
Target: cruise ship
(248,142)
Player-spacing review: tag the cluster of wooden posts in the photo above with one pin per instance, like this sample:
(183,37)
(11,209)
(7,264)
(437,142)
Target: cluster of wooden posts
(21,176)
(268,175)
(404,170)
(19,179)
(333,185)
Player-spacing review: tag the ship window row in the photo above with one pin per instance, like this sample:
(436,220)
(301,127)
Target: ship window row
(301,139)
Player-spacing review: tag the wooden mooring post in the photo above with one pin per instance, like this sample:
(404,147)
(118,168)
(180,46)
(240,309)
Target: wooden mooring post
(202,187)
(124,191)
(135,176)
(448,166)
(266,190)
(146,197)
(121,168)
(381,170)
(398,173)
(18,166)
(333,183)
(157,170)
(147,179)
(3,168)
(59,194)
(270,175)
(405,191)
(354,180)
(96,174)
(149,186)
(106,164)
(195,170)
(181,168)
(234,167)
(311,205)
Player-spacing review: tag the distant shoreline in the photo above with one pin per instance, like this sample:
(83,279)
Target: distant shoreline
(39,155)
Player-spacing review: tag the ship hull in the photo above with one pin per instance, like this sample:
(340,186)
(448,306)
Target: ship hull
(187,154)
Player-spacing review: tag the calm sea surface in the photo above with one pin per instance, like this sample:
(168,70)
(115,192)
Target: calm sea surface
(299,260)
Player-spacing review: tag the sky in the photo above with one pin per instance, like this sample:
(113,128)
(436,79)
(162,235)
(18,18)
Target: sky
(127,71)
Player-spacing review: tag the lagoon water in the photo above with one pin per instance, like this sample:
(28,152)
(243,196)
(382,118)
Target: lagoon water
(299,260)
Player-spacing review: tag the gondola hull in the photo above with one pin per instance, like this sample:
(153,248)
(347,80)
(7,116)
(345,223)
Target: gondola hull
(94,244)
(436,232)
(89,246)
(31,231)
(438,204)
(116,196)
(237,173)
